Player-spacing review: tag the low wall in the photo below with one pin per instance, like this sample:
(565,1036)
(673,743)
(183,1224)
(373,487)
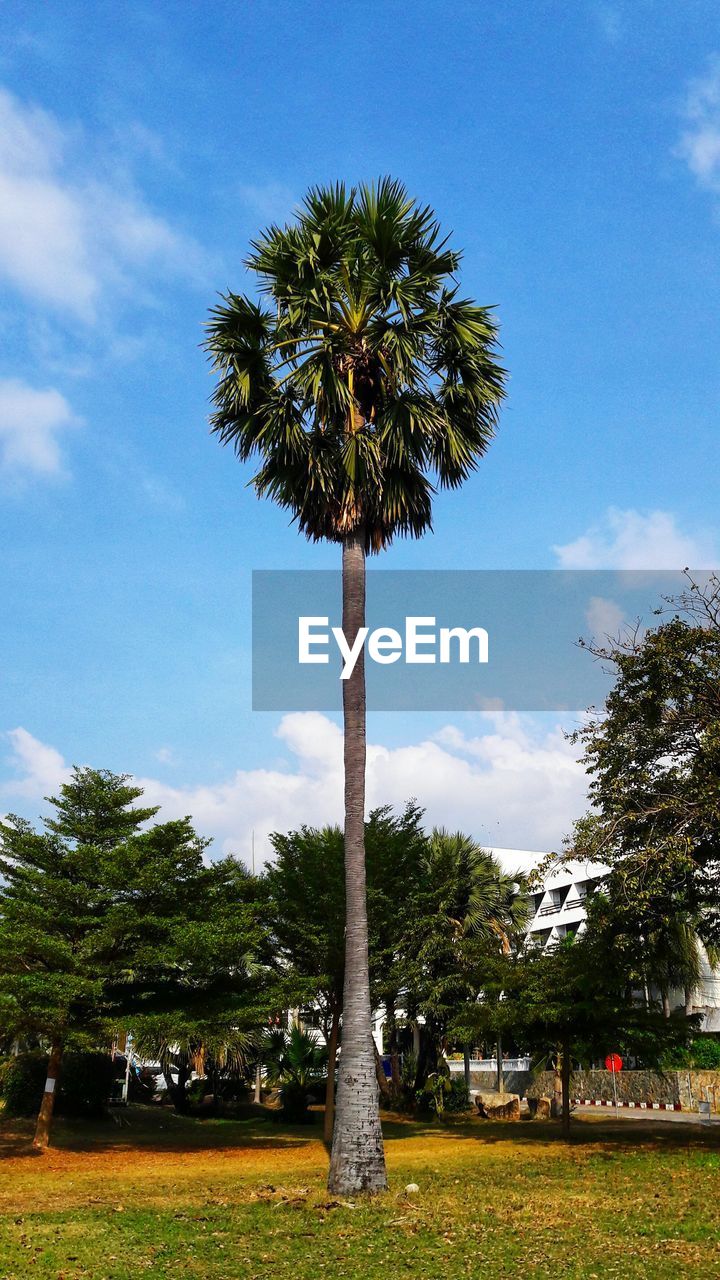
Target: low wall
(699,1086)
(632,1086)
(513,1081)
(670,1088)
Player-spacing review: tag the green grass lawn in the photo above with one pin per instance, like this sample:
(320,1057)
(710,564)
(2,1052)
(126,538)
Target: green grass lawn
(219,1199)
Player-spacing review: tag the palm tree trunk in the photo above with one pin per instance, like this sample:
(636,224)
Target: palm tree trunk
(47,1106)
(332,1063)
(358,1158)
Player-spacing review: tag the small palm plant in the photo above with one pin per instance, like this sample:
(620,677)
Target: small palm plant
(358,381)
(296,1063)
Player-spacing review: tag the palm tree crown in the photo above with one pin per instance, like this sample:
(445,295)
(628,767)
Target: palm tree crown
(476,895)
(361,380)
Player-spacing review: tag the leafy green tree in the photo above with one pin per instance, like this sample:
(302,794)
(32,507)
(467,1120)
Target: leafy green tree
(106,922)
(359,377)
(467,910)
(56,952)
(653,753)
(306,915)
(575,1001)
(396,852)
(200,985)
(306,918)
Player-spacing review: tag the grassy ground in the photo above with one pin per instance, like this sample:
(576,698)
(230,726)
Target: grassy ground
(246,1199)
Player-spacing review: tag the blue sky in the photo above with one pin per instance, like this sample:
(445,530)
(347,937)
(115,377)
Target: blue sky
(574,153)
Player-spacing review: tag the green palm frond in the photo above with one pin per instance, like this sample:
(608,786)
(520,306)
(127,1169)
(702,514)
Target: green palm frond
(361,381)
(479,897)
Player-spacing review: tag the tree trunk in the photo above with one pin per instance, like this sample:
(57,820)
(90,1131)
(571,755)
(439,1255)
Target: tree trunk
(666,1004)
(176,1092)
(395,1072)
(565,1077)
(257,1096)
(688,993)
(332,1063)
(466,1066)
(556,1104)
(382,1079)
(358,1158)
(427,1063)
(499,1065)
(47,1106)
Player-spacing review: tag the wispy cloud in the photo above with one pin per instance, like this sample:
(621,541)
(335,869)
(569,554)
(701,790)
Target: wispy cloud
(269,201)
(638,540)
(699,144)
(32,422)
(608,20)
(73,231)
(159,493)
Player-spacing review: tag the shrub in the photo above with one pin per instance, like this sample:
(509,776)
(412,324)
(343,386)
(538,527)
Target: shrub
(196,1091)
(294,1099)
(142,1085)
(23,1079)
(442,1093)
(85,1083)
(458,1097)
(705,1053)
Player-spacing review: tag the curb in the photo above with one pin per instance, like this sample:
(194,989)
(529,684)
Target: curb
(639,1106)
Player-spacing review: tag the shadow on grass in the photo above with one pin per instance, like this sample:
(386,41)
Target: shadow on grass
(586,1132)
(155,1131)
(145,1129)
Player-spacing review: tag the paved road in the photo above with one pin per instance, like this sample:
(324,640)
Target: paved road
(631,1113)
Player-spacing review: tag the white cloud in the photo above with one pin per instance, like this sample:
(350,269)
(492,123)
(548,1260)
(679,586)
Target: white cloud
(637,540)
(508,787)
(67,235)
(699,144)
(41,768)
(31,422)
(603,617)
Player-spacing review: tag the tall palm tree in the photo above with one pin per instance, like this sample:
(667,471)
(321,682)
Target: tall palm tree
(358,379)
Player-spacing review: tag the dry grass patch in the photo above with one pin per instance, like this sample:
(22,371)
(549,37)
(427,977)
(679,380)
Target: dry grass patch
(246,1201)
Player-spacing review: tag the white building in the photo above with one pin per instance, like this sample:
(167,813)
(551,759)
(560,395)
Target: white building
(558,911)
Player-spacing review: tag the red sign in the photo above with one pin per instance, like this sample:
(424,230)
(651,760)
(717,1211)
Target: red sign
(613,1062)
